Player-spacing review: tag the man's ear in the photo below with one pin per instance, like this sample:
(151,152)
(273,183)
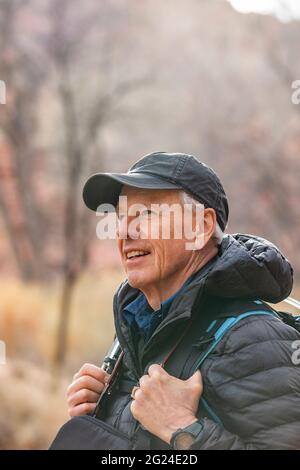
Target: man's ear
(201,236)
(199,240)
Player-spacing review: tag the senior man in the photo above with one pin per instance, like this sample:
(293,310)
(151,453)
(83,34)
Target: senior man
(248,382)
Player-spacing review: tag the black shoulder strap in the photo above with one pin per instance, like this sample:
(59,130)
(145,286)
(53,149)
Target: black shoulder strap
(289,319)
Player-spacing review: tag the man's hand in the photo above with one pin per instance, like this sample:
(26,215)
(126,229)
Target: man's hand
(84,391)
(164,403)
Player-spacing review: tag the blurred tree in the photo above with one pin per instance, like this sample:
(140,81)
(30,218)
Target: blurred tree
(18,120)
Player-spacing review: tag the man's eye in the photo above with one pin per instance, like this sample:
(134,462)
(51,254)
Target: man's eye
(147,212)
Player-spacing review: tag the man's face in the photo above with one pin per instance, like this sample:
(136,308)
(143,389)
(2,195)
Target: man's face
(151,261)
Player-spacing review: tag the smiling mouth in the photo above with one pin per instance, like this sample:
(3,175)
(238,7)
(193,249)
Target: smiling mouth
(136,254)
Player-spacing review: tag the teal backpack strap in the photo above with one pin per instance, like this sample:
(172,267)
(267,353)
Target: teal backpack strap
(214,333)
(226,324)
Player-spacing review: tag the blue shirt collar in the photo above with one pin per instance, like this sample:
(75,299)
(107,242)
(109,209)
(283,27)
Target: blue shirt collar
(139,314)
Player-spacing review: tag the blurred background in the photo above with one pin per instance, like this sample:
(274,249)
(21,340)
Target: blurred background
(93,86)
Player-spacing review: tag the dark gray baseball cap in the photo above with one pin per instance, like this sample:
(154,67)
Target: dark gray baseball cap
(161,170)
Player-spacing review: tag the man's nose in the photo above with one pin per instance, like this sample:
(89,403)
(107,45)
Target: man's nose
(128,227)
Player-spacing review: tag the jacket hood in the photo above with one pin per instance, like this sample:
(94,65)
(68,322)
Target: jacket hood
(250,267)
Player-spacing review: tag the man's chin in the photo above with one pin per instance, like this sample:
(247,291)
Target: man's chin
(137,280)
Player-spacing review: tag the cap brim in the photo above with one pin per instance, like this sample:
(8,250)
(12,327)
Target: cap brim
(105,188)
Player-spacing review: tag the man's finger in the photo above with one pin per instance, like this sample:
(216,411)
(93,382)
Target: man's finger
(94,371)
(86,382)
(82,409)
(82,396)
(156,370)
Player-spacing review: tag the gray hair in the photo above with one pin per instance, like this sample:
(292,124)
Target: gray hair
(218,234)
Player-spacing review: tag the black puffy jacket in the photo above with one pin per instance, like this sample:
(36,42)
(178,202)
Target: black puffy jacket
(249,380)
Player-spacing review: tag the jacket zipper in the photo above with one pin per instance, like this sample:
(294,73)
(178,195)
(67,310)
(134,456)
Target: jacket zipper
(126,347)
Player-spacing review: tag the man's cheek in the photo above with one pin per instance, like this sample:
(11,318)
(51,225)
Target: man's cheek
(156,262)
(149,230)
(120,246)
